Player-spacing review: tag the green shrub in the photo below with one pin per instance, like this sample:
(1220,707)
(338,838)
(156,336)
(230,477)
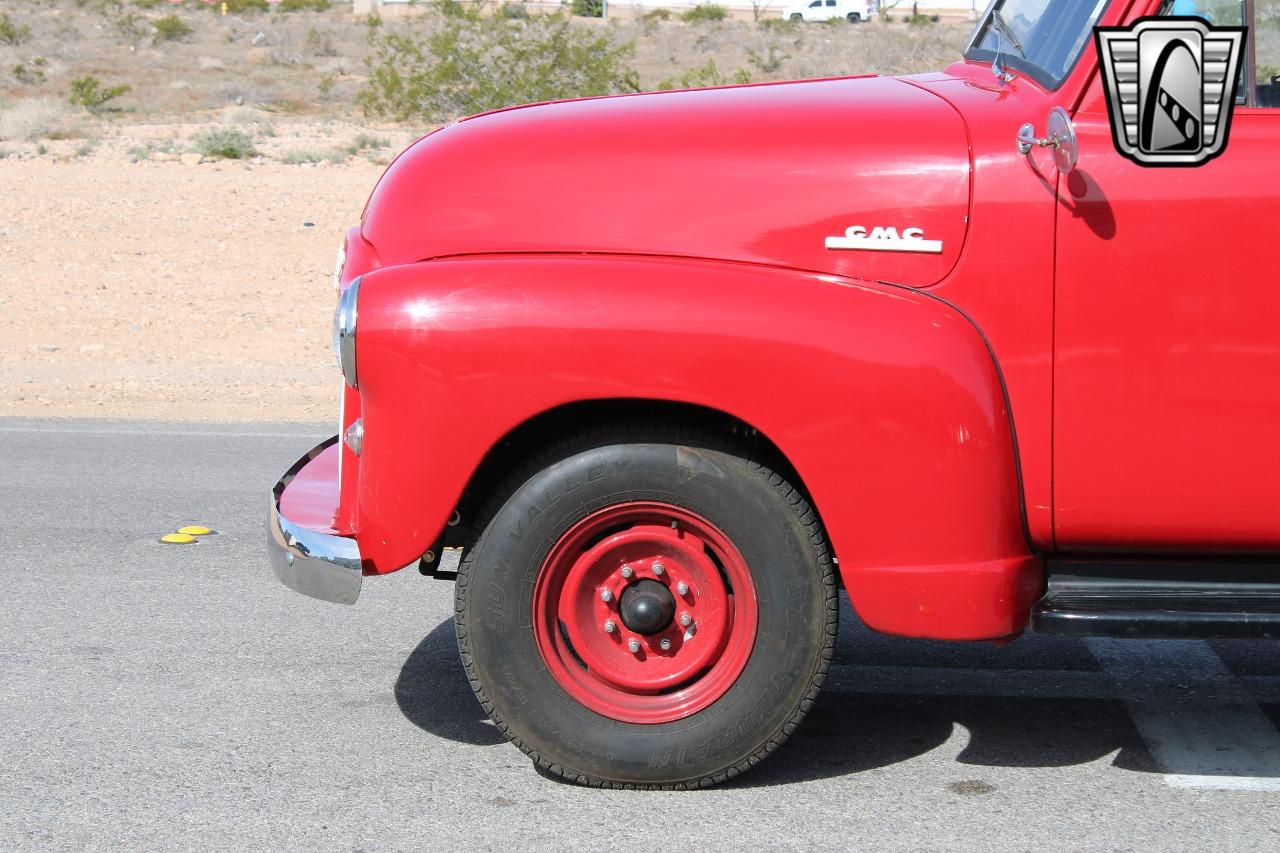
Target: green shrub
(301,156)
(456,60)
(768,63)
(225,142)
(170,28)
(138,153)
(705,12)
(513,11)
(655,15)
(587,8)
(88,92)
(131,25)
(365,142)
(782,24)
(922,20)
(237,7)
(703,77)
(149,4)
(320,43)
(304,5)
(11,33)
(30,73)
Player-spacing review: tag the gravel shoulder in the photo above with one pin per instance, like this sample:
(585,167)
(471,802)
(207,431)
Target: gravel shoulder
(164,290)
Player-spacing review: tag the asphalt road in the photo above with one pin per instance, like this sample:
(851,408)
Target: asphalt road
(170,697)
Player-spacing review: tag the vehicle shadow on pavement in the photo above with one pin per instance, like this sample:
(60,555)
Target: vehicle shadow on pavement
(849,731)
(434,694)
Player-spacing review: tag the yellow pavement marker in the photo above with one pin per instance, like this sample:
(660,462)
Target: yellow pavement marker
(178,538)
(195,530)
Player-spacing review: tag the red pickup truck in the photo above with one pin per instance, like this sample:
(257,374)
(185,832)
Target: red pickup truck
(672,369)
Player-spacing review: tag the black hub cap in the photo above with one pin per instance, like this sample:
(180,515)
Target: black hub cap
(647,607)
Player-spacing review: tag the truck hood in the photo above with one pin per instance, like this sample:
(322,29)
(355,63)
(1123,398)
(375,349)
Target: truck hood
(759,174)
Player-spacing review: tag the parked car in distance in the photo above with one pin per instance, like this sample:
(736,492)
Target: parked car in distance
(963,359)
(821,11)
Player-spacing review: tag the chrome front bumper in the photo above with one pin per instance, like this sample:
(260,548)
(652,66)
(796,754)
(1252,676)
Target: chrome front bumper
(321,565)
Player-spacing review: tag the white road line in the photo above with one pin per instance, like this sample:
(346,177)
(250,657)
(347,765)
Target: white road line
(185,433)
(1203,727)
(1007,683)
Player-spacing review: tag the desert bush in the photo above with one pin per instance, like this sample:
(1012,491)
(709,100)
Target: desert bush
(12,33)
(587,8)
(150,4)
(130,24)
(304,5)
(31,72)
(655,15)
(780,24)
(34,118)
(170,28)
(138,153)
(768,62)
(705,12)
(922,20)
(513,11)
(704,76)
(88,92)
(456,60)
(225,142)
(238,7)
(299,157)
(320,43)
(364,142)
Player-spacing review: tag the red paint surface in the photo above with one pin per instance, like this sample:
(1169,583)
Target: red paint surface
(1072,371)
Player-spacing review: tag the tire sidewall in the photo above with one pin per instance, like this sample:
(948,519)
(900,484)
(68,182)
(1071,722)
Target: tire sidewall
(752,512)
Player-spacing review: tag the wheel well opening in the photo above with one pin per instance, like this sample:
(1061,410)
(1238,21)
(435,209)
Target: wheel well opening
(603,418)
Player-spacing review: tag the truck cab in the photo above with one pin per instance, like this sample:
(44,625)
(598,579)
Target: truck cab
(975,364)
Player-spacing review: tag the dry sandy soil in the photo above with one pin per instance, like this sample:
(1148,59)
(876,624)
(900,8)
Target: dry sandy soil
(172,291)
(139,283)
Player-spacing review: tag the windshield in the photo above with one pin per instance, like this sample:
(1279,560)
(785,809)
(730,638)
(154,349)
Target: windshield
(1040,38)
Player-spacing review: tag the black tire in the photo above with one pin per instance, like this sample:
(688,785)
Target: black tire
(855,18)
(797,18)
(765,517)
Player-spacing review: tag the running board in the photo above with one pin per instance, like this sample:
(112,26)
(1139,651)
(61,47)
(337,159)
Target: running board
(1146,600)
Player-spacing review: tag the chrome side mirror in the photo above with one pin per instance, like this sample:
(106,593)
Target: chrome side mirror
(1061,137)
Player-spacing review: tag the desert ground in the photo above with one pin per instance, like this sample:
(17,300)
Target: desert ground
(144,279)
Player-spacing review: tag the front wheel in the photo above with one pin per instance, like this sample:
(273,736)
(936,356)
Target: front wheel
(855,18)
(648,614)
(796,18)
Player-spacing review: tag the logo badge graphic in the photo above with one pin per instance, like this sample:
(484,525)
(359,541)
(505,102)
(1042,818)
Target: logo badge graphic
(880,239)
(1171,87)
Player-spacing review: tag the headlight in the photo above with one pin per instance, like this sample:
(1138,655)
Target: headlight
(344,332)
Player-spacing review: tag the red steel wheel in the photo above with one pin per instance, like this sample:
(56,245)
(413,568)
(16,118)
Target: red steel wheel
(645,612)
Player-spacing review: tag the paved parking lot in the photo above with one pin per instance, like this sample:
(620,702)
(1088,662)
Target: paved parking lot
(172,697)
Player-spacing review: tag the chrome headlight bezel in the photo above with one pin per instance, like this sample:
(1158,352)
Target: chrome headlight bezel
(344,332)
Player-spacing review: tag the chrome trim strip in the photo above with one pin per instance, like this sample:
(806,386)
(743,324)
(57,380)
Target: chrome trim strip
(345,320)
(320,565)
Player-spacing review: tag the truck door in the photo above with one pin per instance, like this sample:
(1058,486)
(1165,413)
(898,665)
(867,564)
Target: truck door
(1167,332)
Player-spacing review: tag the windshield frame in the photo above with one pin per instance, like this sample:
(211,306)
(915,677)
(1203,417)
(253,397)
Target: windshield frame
(1010,59)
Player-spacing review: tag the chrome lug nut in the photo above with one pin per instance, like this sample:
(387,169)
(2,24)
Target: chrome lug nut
(609,627)
(606,596)
(626,572)
(686,620)
(634,645)
(665,643)
(658,568)
(682,588)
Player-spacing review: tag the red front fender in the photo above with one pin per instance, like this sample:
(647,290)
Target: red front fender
(886,401)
